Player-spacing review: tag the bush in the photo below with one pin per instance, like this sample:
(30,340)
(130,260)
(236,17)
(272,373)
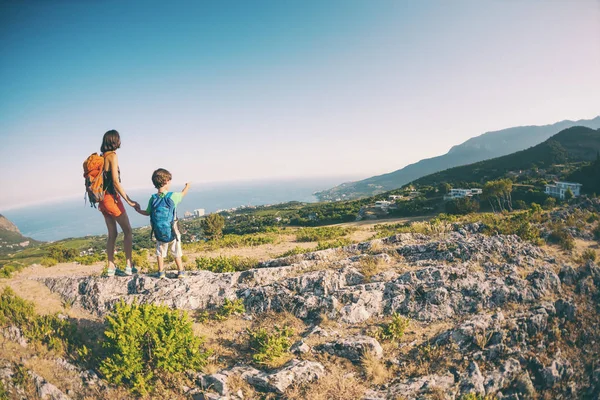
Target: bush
(394,331)
(62,254)
(333,244)
(549,203)
(7,270)
(212,226)
(229,308)
(463,206)
(58,334)
(48,262)
(596,232)
(145,340)
(295,251)
(321,234)
(561,237)
(588,255)
(225,264)
(269,348)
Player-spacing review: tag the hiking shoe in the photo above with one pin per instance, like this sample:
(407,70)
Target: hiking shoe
(110,272)
(125,272)
(181,274)
(162,275)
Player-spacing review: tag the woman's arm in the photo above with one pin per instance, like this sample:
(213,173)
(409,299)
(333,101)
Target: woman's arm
(114,170)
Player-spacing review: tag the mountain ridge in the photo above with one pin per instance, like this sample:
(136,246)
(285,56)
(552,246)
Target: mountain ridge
(573,144)
(488,145)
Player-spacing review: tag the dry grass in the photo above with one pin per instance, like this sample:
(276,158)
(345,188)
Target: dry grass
(370,266)
(374,369)
(236,384)
(337,384)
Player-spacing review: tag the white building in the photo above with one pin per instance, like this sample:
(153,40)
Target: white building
(395,196)
(560,188)
(199,212)
(460,193)
(382,204)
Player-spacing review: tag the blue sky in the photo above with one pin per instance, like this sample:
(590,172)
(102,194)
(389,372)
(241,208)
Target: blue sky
(238,90)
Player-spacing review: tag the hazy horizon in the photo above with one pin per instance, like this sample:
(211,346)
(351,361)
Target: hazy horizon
(273,90)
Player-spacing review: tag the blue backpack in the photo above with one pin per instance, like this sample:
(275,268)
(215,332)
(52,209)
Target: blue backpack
(162,217)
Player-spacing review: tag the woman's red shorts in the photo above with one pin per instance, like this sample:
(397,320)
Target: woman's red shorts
(111,205)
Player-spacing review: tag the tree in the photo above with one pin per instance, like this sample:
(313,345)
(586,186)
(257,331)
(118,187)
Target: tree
(549,203)
(212,226)
(568,194)
(499,192)
(462,206)
(444,188)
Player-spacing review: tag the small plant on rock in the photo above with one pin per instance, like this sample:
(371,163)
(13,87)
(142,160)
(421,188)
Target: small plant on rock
(270,348)
(588,255)
(394,331)
(229,308)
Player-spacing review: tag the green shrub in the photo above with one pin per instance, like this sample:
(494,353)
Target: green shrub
(7,270)
(228,309)
(269,348)
(535,208)
(560,236)
(62,254)
(588,255)
(321,234)
(225,264)
(143,341)
(295,251)
(394,331)
(333,244)
(57,333)
(140,259)
(596,232)
(549,203)
(14,310)
(48,262)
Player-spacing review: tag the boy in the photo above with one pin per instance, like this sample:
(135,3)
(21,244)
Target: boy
(162,211)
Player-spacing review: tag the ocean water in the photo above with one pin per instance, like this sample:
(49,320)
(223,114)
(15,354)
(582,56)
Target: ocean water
(72,218)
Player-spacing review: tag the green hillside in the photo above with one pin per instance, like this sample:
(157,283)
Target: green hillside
(571,145)
(483,147)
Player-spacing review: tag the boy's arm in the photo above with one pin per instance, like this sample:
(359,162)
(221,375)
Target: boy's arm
(185,190)
(139,210)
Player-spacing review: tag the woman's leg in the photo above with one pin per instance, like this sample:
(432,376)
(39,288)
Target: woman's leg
(111,224)
(123,221)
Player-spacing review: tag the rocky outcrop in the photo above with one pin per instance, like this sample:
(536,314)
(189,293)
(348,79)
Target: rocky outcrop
(450,277)
(498,299)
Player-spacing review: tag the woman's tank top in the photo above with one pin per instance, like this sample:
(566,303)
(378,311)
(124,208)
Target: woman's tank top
(109,184)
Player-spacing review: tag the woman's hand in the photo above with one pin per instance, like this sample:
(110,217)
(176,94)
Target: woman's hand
(132,203)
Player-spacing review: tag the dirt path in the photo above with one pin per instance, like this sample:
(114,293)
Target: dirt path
(27,286)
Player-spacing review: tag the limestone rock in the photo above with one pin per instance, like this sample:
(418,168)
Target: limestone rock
(294,372)
(353,348)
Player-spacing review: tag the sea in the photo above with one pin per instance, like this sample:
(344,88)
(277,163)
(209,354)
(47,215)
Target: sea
(71,217)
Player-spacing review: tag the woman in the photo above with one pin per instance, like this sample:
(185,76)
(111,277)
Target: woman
(112,207)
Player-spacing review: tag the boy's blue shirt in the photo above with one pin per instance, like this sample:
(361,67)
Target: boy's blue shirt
(176,197)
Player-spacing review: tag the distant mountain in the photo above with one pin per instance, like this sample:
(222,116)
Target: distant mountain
(11,238)
(486,146)
(6,225)
(574,144)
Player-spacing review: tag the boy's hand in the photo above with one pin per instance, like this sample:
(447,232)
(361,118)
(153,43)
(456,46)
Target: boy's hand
(137,207)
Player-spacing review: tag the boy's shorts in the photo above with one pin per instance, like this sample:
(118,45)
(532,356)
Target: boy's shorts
(163,247)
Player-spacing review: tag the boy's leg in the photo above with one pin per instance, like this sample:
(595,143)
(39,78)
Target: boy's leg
(176,249)
(161,253)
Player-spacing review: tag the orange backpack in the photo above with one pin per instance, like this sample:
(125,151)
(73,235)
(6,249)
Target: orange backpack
(93,168)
